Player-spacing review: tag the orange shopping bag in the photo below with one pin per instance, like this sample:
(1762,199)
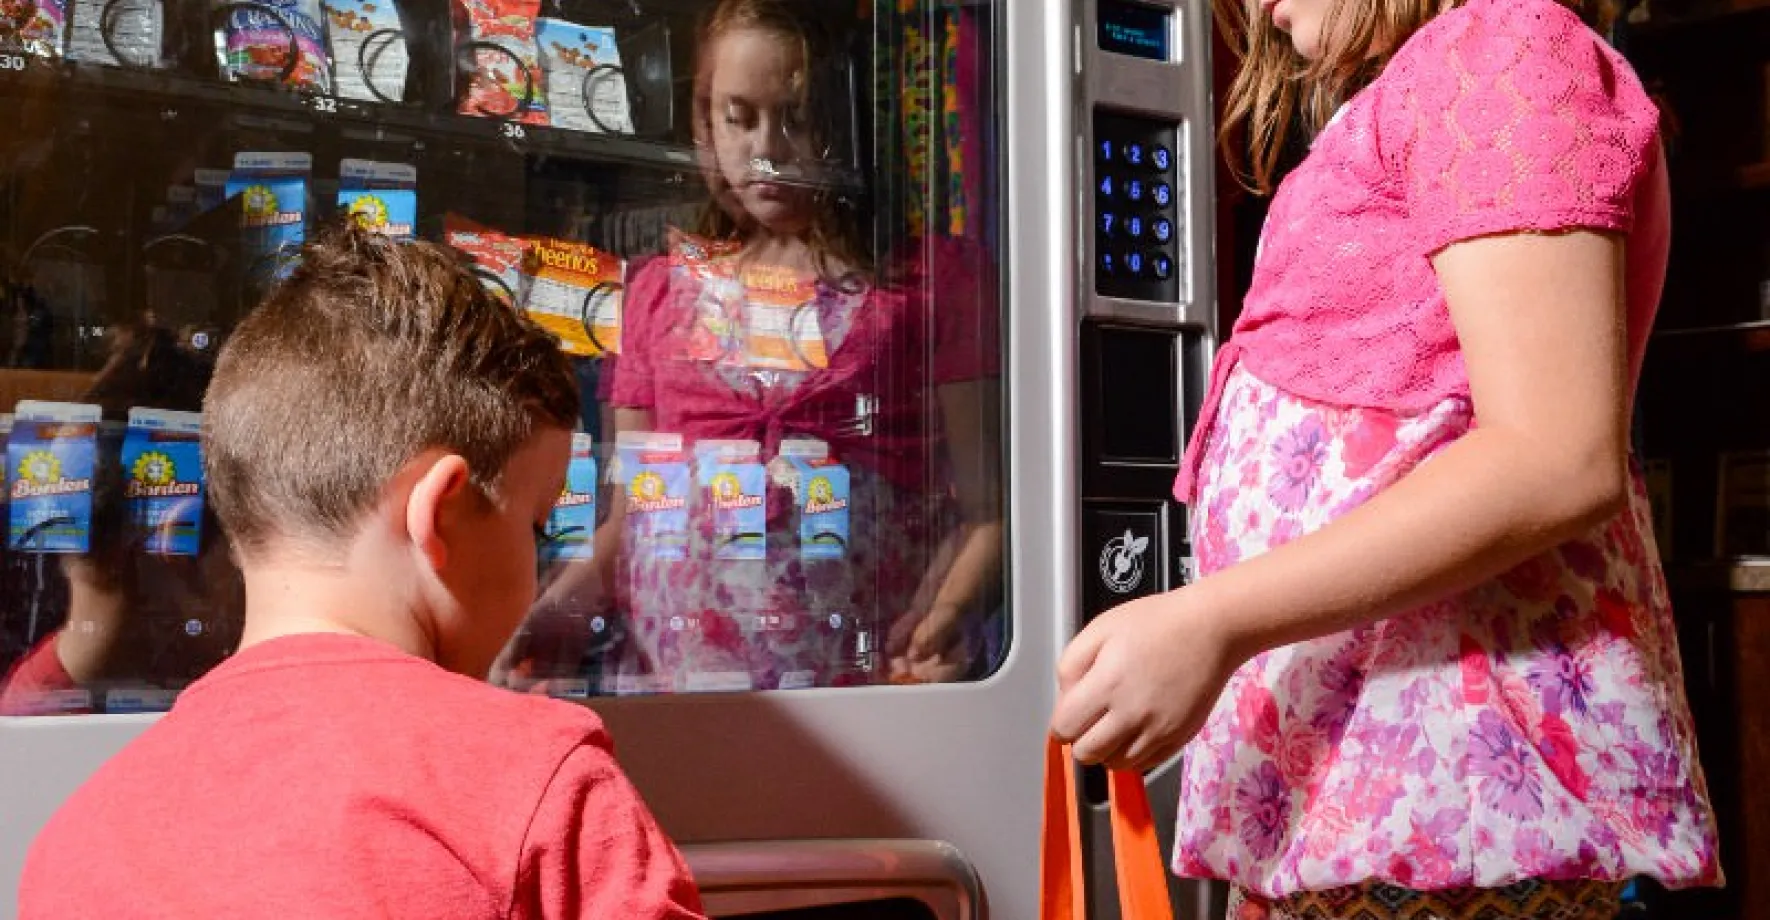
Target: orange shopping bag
(1137,857)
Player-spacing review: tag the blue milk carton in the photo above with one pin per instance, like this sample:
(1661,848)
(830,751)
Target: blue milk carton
(163,476)
(381,197)
(272,188)
(571,527)
(820,487)
(734,492)
(50,456)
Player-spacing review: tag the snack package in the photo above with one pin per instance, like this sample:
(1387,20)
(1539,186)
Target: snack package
(36,27)
(506,80)
(655,474)
(820,488)
(369,55)
(382,197)
(273,208)
(734,487)
(575,291)
(781,329)
(118,33)
(571,528)
(50,455)
(252,45)
(586,90)
(497,256)
(163,471)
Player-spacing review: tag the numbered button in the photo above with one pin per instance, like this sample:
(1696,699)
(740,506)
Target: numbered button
(1163,229)
(1134,190)
(1108,265)
(1161,159)
(1109,224)
(1134,154)
(1106,186)
(1106,150)
(1134,263)
(1163,193)
(1162,266)
(1134,227)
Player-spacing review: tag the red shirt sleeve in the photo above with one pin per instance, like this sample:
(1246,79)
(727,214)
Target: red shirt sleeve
(39,672)
(594,851)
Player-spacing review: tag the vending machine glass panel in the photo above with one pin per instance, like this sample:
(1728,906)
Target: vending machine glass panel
(764,231)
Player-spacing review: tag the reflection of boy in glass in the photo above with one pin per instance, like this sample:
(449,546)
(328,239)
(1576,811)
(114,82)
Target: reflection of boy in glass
(895,378)
(132,616)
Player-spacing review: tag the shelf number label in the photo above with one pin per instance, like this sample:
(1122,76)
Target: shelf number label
(511,130)
(325,105)
(12,62)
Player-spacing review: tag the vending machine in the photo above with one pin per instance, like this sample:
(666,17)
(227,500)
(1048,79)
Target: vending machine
(890,319)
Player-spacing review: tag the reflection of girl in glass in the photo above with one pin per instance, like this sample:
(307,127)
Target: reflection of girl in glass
(133,618)
(771,324)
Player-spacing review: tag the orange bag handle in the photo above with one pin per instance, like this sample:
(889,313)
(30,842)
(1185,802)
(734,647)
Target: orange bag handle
(1137,856)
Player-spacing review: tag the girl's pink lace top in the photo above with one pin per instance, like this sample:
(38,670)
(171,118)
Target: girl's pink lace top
(1499,117)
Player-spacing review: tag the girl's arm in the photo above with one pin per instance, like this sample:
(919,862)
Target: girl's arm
(971,421)
(1541,322)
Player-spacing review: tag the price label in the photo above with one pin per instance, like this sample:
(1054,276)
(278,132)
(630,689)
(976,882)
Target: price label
(325,105)
(512,131)
(12,62)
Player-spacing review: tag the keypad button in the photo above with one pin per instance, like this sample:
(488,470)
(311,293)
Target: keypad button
(1108,265)
(1109,224)
(1106,150)
(1163,193)
(1163,229)
(1134,190)
(1106,186)
(1134,154)
(1134,227)
(1161,159)
(1134,263)
(1161,265)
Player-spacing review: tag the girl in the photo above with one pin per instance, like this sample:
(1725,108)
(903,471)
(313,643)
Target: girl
(1444,689)
(770,325)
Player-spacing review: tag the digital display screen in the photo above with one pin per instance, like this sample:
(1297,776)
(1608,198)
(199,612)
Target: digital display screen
(1134,29)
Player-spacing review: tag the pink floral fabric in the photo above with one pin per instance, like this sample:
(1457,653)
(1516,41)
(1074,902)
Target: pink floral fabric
(1499,116)
(1534,728)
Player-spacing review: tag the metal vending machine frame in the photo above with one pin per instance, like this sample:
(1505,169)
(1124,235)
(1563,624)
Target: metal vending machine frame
(790,800)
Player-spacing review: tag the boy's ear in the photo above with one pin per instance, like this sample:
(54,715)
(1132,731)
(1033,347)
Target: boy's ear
(442,485)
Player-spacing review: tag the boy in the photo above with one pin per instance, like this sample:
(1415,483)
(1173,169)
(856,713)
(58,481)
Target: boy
(383,442)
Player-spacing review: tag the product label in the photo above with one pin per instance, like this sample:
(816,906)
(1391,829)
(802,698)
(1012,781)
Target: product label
(50,455)
(253,44)
(390,212)
(33,26)
(574,290)
(734,489)
(163,475)
(586,90)
(571,528)
(272,188)
(821,489)
(135,28)
(655,476)
(368,49)
(780,320)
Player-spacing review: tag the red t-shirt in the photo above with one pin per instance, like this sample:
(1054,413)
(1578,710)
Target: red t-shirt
(334,776)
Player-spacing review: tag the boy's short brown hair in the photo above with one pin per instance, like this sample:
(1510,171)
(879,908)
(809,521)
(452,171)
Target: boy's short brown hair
(370,352)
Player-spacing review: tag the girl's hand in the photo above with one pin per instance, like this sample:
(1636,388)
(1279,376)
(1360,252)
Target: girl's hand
(1137,684)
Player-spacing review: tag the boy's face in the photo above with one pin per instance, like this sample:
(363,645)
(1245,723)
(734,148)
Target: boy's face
(489,571)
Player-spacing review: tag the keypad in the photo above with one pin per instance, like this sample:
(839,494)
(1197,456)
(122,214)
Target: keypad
(1136,230)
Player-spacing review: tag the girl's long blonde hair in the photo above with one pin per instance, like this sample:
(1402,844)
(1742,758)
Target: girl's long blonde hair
(1276,90)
